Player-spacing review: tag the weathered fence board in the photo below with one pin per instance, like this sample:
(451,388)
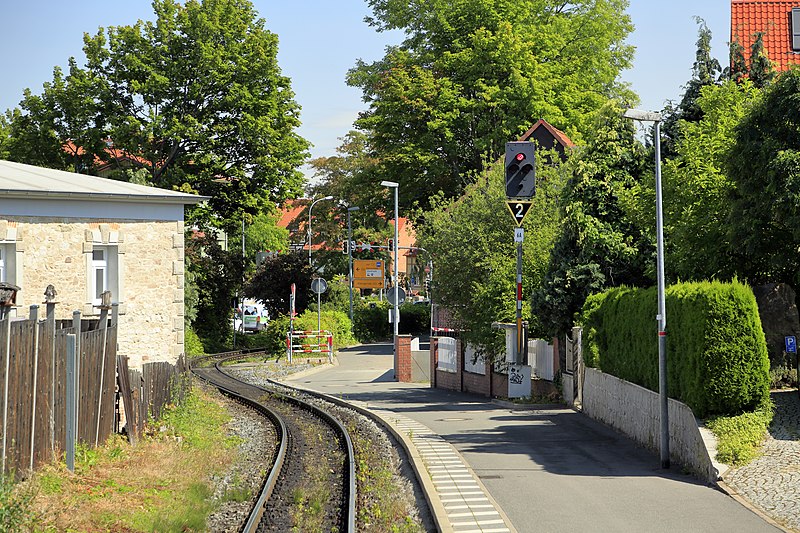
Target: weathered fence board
(33,387)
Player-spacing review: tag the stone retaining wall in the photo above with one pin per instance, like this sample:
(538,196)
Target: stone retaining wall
(635,411)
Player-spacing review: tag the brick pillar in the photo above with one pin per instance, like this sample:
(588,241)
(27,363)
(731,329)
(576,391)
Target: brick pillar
(402,363)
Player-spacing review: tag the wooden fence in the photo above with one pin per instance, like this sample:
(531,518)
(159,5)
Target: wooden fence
(33,386)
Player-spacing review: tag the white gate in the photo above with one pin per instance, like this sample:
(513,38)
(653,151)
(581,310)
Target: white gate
(540,357)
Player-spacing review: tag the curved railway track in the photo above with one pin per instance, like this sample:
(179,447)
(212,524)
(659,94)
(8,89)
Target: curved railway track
(313,472)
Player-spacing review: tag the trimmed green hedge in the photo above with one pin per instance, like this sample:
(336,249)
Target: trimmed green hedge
(717,360)
(371,320)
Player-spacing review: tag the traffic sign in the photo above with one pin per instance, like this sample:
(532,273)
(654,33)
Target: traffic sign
(368,274)
(319,285)
(791,344)
(518,210)
(366,247)
(390,295)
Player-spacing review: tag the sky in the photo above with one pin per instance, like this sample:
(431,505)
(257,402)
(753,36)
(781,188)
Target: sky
(319,40)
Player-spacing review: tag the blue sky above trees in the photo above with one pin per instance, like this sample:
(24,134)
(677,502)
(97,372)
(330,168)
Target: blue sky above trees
(321,40)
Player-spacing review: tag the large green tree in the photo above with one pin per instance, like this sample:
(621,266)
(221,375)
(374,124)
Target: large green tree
(473,74)
(601,243)
(697,189)
(764,166)
(195,97)
(706,70)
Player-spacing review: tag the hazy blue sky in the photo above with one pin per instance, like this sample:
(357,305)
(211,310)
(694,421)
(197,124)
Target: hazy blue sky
(321,39)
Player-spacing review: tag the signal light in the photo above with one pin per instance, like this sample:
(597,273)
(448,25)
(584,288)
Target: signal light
(520,175)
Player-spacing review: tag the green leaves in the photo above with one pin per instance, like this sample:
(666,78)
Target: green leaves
(474,74)
(194,96)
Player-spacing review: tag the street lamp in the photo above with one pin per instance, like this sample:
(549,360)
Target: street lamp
(661,317)
(350,256)
(310,235)
(396,315)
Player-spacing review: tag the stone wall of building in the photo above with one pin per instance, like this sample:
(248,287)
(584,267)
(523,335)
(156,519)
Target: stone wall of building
(149,265)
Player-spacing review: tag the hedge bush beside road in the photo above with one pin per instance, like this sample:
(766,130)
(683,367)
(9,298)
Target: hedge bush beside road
(717,360)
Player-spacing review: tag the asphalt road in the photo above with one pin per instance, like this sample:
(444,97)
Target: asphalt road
(550,469)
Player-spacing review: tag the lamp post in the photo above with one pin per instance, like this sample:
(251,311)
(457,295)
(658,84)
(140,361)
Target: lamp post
(661,317)
(350,256)
(310,235)
(396,315)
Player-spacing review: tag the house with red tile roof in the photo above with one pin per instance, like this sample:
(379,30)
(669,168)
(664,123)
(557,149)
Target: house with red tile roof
(294,215)
(777,20)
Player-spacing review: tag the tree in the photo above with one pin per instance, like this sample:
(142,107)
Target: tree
(272,284)
(474,254)
(473,74)
(761,71)
(195,97)
(600,244)
(705,71)
(764,166)
(697,188)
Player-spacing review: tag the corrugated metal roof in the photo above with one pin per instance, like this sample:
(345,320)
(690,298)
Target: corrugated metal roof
(18,180)
(773,19)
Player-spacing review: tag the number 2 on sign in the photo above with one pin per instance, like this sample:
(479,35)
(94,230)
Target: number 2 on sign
(518,210)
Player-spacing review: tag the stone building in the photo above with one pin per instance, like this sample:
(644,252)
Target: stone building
(84,235)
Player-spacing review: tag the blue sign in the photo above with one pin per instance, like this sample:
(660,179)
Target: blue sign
(791,344)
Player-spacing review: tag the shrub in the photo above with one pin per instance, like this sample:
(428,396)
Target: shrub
(371,321)
(193,345)
(740,436)
(415,318)
(336,322)
(717,356)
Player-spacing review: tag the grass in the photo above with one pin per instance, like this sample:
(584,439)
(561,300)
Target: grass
(385,509)
(740,437)
(162,484)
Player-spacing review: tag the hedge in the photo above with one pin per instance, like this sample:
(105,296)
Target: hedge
(717,360)
(336,322)
(371,320)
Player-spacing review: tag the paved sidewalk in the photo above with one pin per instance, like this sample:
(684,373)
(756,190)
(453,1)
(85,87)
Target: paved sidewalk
(772,481)
(546,469)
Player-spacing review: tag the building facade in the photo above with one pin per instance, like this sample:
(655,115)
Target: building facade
(85,235)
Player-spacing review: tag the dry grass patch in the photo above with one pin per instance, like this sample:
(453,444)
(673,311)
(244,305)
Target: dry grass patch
(162,484)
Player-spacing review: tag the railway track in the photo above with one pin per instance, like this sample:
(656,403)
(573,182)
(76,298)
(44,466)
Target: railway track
(311,484)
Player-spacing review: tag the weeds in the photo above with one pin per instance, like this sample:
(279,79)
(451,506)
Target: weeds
(159,485)
(740,436)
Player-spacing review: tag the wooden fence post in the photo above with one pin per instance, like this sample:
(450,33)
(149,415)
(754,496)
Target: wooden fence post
(76,325)
(51,325)
(72,403)
(6,324)
(104,308)
(34,317)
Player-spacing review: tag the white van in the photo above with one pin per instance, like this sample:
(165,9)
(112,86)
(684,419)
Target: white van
(255,317)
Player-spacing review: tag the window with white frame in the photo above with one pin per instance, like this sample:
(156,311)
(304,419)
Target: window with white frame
(8,262)
(104,273)
(796,29)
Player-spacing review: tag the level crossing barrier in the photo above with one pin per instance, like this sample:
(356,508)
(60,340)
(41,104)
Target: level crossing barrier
(312,341)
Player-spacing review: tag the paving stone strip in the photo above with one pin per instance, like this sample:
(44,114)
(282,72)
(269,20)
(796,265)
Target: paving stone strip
(771,482)
(469,508)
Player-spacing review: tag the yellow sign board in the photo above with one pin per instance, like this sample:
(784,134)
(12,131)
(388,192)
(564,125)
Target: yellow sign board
(368,273)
